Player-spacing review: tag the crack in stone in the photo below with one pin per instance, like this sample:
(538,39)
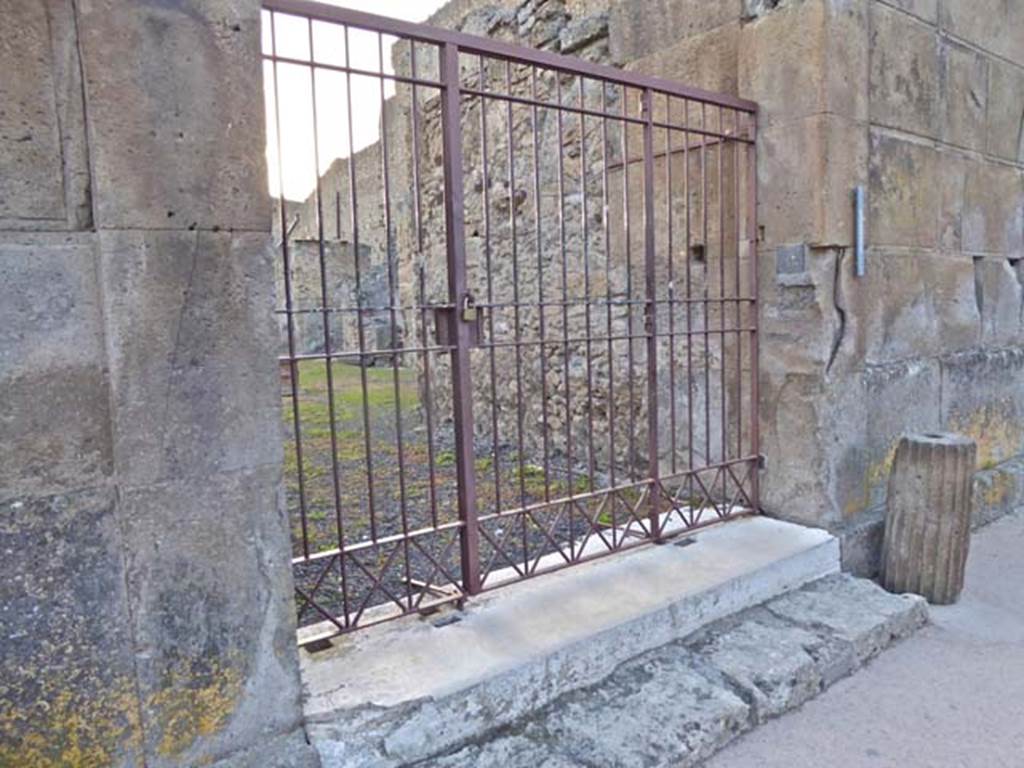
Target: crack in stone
(1017,267)
(837,339)
(979,294)
(177,345)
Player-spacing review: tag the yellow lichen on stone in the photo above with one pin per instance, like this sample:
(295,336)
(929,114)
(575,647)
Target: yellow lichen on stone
(996,493)
(68,730)
(184,711)
(875,475)
(998,435)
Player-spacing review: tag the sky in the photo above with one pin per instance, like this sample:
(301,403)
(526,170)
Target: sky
(294,87)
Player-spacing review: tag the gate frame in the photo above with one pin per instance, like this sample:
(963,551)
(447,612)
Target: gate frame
(450,45)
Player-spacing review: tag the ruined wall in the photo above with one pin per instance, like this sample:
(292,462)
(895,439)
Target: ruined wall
(344,236)
(145,592)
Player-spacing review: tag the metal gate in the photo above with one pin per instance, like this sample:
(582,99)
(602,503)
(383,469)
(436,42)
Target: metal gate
(517,310)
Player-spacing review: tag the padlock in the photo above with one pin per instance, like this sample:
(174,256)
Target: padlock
(469,312)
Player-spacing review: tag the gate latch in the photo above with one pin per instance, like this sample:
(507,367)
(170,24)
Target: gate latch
(446,319)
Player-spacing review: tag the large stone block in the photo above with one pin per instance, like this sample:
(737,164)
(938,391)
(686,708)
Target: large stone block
(911,304)
(1000,296)
(54,412)
(704,60)
(806,171)
(994,25)
(993,209)
(1004,136)
(596,724)
(175,117)
(902,396)
(982,398)
(192,353)
(806,58)
(44,164)
(800,321)
(904,192)
(636,29)
(210,590)
(964,96)
(67,681)
(952,177)
(904,79)
(31,172)
(809,480)
(51,312)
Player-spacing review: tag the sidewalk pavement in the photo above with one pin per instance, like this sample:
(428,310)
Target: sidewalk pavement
(952,696)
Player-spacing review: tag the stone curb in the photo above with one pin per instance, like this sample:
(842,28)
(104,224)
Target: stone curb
(680,703)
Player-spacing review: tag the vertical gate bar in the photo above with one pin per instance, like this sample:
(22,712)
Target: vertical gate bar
(651,315)
(325,304)
(560,125)
(606,228)
(689,311)
(738,314)
(393,300)
(517,315)
(428,398)
(462,384)
(485,194)
(704,293)
(541,329)
(417,215)
(586,285)
(723,449)
(670,246)
(630,378)
(337,214)
(752,231)
(288,305)
(360,329)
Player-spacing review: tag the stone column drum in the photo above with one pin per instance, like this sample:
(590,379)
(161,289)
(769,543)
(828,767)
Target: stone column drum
(927,524)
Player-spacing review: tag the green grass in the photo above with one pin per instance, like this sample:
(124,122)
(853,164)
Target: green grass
(348,385)
(314,403)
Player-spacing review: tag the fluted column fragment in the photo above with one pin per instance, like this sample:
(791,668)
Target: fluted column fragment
(927,524)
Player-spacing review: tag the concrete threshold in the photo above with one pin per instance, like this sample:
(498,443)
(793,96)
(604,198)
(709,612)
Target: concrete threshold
(402,692)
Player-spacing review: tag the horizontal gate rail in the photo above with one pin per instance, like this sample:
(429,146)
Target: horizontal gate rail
(482,45)
(518,310)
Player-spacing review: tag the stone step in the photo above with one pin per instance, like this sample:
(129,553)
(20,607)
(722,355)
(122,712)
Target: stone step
(678,704)
(396,693)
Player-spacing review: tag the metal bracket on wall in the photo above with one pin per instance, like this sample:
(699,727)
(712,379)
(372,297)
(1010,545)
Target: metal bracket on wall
(859,264)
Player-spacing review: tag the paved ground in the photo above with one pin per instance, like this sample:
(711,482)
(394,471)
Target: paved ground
(950,696)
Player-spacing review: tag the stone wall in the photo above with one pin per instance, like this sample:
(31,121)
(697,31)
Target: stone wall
(923,104)
(146,594)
